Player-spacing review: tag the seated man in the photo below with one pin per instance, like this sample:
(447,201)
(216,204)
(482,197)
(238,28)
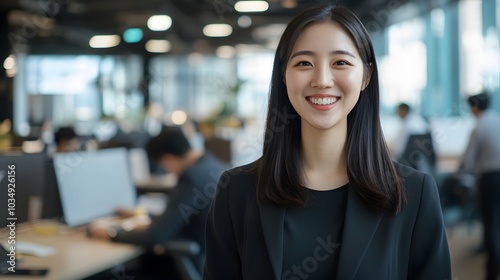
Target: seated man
(411,124)
(66,140)
(189,202)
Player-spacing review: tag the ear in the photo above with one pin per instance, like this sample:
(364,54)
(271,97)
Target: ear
(367,77)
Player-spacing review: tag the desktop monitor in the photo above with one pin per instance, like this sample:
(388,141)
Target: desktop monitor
(27,183)
(93,184)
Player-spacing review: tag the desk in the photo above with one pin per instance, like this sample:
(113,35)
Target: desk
(76,255)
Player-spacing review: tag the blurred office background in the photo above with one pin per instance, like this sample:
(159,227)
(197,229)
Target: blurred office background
(121,69)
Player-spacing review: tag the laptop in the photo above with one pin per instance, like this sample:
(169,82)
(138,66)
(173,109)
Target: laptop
(92,185)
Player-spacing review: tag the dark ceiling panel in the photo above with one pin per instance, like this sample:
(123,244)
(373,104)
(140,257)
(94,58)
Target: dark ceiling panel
(76,20)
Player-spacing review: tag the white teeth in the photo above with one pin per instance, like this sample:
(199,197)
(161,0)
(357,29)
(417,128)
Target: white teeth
(323,101)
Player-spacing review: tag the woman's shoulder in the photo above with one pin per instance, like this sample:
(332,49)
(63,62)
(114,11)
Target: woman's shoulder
(408,174)
(239,180)
(418,185)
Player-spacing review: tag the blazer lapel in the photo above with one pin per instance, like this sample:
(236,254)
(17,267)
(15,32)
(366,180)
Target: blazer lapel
(359,227)
(273,218)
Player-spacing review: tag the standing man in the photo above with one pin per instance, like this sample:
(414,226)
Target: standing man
(482,157)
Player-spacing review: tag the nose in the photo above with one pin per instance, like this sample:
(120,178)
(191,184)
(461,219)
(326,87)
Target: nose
(323,77)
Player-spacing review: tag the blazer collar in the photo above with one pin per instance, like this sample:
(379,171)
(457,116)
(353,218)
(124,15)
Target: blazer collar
(359,227)
(273,219)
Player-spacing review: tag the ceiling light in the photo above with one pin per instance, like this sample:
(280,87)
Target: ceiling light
(244,21)
(159,22)
(9,62)
(217,30)
(132,35)
(225,52)
(158,46)
(179,117)
(104,41)
(251,6)
(10,66)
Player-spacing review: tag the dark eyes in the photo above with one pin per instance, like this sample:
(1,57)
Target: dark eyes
(341,62)
(338,63)
(304,63)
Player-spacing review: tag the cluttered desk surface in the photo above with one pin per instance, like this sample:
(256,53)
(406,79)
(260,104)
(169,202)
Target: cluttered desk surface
(67,253)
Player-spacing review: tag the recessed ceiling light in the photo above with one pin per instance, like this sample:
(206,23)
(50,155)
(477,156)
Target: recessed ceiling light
(251,6)
(158,46)
(217,30)
(179,117)
(9,62)
(159,22)
(104,41)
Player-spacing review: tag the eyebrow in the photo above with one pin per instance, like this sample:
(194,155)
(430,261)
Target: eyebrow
(311,53)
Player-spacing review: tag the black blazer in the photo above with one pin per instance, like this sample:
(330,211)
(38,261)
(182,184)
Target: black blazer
(244,239)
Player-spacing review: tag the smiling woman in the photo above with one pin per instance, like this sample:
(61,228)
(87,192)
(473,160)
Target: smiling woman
(325,201)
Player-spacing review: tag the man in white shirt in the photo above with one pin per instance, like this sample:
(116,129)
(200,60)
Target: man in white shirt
(412,124)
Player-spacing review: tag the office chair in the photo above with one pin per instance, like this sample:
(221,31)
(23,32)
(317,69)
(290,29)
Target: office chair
(459,199)
(185,254)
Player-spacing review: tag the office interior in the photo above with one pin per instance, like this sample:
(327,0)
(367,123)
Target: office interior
(104,68)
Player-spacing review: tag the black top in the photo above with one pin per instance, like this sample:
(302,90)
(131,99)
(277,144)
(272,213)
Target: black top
(313,236)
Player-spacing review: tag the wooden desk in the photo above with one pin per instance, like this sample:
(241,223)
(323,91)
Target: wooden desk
(76,257)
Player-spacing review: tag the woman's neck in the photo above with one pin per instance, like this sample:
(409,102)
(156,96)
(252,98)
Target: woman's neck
(324,156)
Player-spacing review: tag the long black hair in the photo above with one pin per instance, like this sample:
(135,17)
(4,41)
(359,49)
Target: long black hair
(372,174)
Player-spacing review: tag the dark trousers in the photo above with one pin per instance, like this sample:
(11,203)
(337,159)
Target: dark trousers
(489,199)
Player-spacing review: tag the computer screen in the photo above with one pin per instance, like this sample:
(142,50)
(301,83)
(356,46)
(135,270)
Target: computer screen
(92,185)
(27,184)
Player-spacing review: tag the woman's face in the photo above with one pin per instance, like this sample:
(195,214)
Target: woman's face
(324,76)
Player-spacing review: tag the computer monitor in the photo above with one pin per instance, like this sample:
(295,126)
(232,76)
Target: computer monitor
(94,184)
(27,184)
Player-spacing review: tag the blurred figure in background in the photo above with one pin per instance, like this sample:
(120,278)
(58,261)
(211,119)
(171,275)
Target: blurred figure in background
(412,124)
(482,157)
(188,204)
(66,140)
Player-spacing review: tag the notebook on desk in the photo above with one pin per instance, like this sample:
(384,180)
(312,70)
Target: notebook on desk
(93,185)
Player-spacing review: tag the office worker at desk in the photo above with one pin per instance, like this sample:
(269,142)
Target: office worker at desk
(188,203)
(325,201)
(66,140)
(412,123)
